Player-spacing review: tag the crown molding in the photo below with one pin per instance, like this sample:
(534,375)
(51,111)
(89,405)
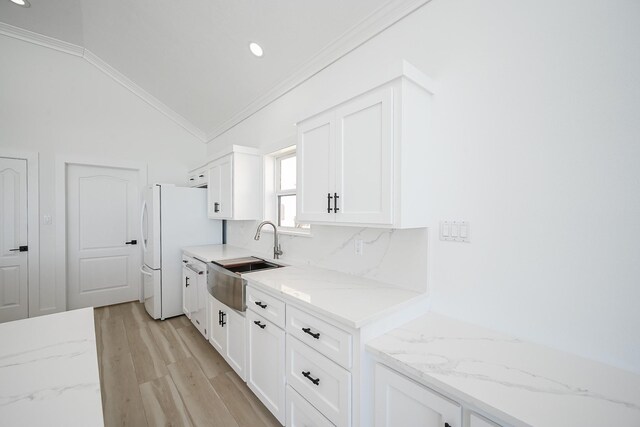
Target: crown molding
(378,21)
(116,75)
(93,59)
(40,39)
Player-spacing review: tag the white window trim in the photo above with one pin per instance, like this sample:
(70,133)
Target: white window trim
(272,199)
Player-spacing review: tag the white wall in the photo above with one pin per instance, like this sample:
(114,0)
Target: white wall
(536,143)
(60,105)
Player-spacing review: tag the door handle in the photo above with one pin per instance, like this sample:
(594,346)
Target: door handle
(222,322)
(216,207)
(329,202)
(131,242)
(316,335)
(308,376)
(20,249)
(335,202)
(262,326)
(142,270)
(186,282)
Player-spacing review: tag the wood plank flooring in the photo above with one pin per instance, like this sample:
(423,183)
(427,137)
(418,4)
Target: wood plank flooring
(164,373)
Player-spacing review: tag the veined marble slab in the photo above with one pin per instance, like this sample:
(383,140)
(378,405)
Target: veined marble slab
(208,253)
(346,298)
(351,300)
(49,371)
(521,383)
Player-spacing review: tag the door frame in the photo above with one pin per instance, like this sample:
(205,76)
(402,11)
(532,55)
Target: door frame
(33,225)
(61,164)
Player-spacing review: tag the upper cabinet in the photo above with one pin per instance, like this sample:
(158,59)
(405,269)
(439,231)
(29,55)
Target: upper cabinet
(361,162)
(235,185)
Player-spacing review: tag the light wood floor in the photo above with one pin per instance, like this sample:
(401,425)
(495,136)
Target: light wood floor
(164,373)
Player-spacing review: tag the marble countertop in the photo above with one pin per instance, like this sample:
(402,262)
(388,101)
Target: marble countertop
(351,300)
(49,371)
(208,253)
(520,383)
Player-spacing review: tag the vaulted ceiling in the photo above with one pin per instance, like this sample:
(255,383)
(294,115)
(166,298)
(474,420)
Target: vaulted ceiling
(193,55)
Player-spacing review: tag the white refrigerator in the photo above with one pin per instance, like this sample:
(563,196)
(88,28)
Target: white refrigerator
(171,218)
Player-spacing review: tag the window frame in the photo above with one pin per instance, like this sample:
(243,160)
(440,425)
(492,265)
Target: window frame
(299,228)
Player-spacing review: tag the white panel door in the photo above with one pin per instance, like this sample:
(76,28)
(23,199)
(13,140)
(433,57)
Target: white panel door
(103,261)
(315,169)
(364,159)
(402,402)
(217,332)
(13,229)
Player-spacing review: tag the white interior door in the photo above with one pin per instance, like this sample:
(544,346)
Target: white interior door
(103,262)
(13,229)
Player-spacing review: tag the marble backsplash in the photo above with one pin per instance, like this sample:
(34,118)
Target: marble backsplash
(398,257)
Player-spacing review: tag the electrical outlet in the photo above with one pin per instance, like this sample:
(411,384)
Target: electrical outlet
(455,231)
(359,244)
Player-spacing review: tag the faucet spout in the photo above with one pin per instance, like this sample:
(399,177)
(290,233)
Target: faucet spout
(276,246)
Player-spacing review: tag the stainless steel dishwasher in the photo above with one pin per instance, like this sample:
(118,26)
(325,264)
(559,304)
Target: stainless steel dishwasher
(225,282)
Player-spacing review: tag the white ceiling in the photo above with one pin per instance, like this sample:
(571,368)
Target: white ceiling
(193,55)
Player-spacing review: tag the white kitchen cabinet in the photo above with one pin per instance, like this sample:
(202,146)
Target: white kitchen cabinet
(301,413)
(362,162)
(266,363)
(476,420)
(198,177)
(235,185)
(227,334)
(401,402)
(194,294)
(188,294)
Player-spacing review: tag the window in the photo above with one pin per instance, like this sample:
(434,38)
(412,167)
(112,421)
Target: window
(285,192)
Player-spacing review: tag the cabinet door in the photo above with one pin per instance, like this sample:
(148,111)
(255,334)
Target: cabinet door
(402,402)
(186,292)
(235,353)
(220,188)
(364,159)
(217,332)
(199,314)
(315,169)
(265,363)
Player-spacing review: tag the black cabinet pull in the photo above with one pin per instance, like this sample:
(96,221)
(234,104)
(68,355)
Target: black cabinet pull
(308,376)
(200,176)
(257,322)
(329,202)
(185,261)
(447,425)
(308,331)
(335,202)
(186,282)
(131,242)
(222,322)
(192,179)
(20,249)
(219,317)
(260,304)
(216,207)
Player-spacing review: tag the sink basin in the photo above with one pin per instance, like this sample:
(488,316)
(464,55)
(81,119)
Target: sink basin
(252,266)
(225,282)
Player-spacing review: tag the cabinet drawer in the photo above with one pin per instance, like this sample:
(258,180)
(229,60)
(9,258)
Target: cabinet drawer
(476,420)
(301,413)
(266,306)
(333,342)
(322,382)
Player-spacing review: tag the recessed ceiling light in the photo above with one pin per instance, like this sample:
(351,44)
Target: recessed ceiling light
(253,47)
(23,3)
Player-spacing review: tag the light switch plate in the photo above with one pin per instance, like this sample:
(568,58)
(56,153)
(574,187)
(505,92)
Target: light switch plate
(455,231)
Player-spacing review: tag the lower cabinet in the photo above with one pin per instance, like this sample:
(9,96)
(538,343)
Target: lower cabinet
(227,334)
(265,363)
(401,402)
(301,413)
(194,293)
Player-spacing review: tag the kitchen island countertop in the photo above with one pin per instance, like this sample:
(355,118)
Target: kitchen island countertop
(49,371)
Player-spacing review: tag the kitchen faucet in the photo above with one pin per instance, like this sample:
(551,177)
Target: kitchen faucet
(276,246)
